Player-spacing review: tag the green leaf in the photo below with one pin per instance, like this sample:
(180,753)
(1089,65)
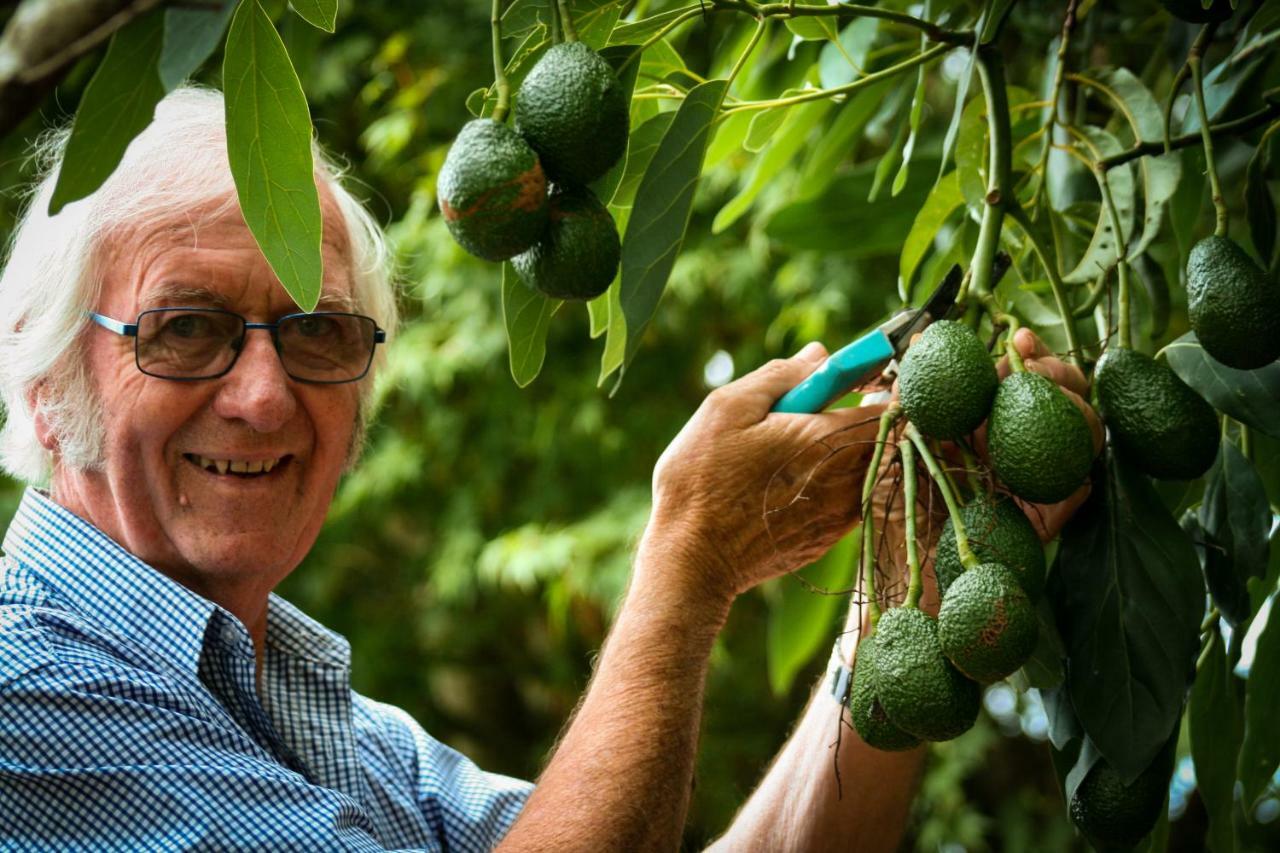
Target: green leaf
(269,145)
(117,105)
(730,134)
(1156,287)
(618,57)
(1221,86)
(598,314)
(995,14)
(785,146)
(953,127)
(909,147)
(844,60)
(813,28)
(190,37)
(1235,517)
(892,155)
(1045,668)
(1260,753)
(321,14)
(1250,396)
(663,205)
(1260,207)
(638,32)
(527,316)
(1103,251)
(971,145)
(835,143)
(943,200)
(1216,724)
(1128,596)
(641,147)
(827,222)
(803,616)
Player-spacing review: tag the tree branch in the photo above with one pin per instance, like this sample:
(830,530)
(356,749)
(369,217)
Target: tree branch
(1244,124)
(842,11)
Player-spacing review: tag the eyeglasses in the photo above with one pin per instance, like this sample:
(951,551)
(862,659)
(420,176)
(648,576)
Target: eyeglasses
(187,344)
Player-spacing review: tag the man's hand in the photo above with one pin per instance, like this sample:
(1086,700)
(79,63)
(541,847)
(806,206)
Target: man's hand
(745,494)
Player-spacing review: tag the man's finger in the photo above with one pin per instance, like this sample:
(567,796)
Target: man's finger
(771,380)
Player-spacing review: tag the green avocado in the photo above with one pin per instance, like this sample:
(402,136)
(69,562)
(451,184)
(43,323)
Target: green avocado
(987,625)
(1233,306)
(946,381)
(1167,430)
(1039,442)
(577,257)
(919,689)
(1194,12)
(1111,813)
(868,714)
(492,191)
(573,111)
(999,532)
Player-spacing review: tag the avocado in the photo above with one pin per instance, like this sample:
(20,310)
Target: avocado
(919,689)
(1109,812)
(492,191)
(1194,12)
(999,532)
(573,111)
(946,381)
(577,257)
(869,718)
(1233,306)
(987,625)
(1039,442)
(1167,430)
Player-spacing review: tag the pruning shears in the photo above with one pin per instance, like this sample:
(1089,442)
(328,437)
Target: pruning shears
(859,361)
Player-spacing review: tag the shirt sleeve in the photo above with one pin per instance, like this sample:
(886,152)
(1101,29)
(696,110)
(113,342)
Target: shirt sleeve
(109,757)
(468,808)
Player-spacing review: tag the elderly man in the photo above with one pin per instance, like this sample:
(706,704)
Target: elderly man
(192,428)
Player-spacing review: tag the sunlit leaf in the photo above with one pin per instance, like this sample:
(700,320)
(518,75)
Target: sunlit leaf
(663,203)
(1127,590)
(117,105)
(1102,252)
(322,14)
(644,142)
(637,32)
(527,316)
(1250,396)
(844,60)
(813,28)
(953,128)
(837,141)
(943,201)
(269,143)
(1260,753)
(909,147)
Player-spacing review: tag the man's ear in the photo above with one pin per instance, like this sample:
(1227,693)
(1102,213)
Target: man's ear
(44,430)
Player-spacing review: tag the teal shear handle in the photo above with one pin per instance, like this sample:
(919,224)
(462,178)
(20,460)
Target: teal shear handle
(841,371)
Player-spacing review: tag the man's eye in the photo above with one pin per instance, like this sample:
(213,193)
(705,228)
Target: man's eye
(188,326)
(316,327)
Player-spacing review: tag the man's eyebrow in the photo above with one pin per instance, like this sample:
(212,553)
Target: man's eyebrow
(337,302)
(175,294)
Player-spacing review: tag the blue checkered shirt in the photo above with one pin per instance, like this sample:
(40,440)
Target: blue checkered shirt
(130,720)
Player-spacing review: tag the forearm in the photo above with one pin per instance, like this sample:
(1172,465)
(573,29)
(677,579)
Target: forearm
(620,779)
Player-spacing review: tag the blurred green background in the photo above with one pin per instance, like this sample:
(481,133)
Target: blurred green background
(477,555)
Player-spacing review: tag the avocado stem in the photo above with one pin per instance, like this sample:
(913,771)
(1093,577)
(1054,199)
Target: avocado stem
(908,455)
(967,558)
(566,21)
(999,187)
(1206,134)
(499,66)
(1050,264)
(751,46)
(1059,74)
(887,419)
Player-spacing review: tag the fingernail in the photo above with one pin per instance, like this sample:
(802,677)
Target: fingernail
(811,350)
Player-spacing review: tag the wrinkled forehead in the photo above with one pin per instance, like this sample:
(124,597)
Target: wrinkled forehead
(128,249)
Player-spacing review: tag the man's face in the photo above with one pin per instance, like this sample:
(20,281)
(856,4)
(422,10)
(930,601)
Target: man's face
(221,533)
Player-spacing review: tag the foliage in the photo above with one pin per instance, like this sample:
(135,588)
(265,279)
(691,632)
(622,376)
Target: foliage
(787,178)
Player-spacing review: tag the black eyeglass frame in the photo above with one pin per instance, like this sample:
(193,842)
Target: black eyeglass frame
(130,330)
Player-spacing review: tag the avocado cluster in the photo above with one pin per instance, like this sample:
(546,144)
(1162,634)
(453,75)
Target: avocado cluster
(522,194)
(1233,305)
(946,381)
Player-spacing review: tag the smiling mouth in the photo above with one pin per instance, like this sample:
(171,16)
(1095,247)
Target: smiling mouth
(238,467)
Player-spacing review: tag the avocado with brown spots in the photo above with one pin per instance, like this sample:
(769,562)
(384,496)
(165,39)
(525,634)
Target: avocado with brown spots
(492,191)
(987,625)
(869,717)
(919,689)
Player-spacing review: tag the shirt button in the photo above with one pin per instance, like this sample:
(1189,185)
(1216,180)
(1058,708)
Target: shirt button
(230,635)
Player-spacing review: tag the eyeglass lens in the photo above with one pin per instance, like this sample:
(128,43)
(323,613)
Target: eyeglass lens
(201,344)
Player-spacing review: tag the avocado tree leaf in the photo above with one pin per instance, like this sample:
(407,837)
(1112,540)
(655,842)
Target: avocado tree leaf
(663,204)
(618,58)
(843,60)
(190,37)
(1103,248)
(117,105)
(995,13)
(1260,752)
(1160,175)
(1156,288)
(269,146)
(943,200)
(638,32)
(321,14)
(1128,598)
(962,92)
(892,155)
(917,112)
(1235,518)
(1044,669)
(803,615)
(813,28)
(835,142)
(1216,725)
(1221,86)
(641,147)
(1250,396)
(615,342)
(1260,207)
(785,146)
(765,123)
(593,19)
(527,316)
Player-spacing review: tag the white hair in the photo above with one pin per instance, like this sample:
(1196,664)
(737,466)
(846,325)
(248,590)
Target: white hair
(52,275)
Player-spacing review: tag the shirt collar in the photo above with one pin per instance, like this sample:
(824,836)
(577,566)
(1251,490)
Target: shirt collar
(106,583)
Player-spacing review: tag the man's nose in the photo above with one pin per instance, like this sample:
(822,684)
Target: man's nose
(257,390)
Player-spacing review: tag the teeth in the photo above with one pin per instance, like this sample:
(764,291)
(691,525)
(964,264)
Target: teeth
(267,466)
(239,467)
(222,465)
(253,467)
(236,467)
